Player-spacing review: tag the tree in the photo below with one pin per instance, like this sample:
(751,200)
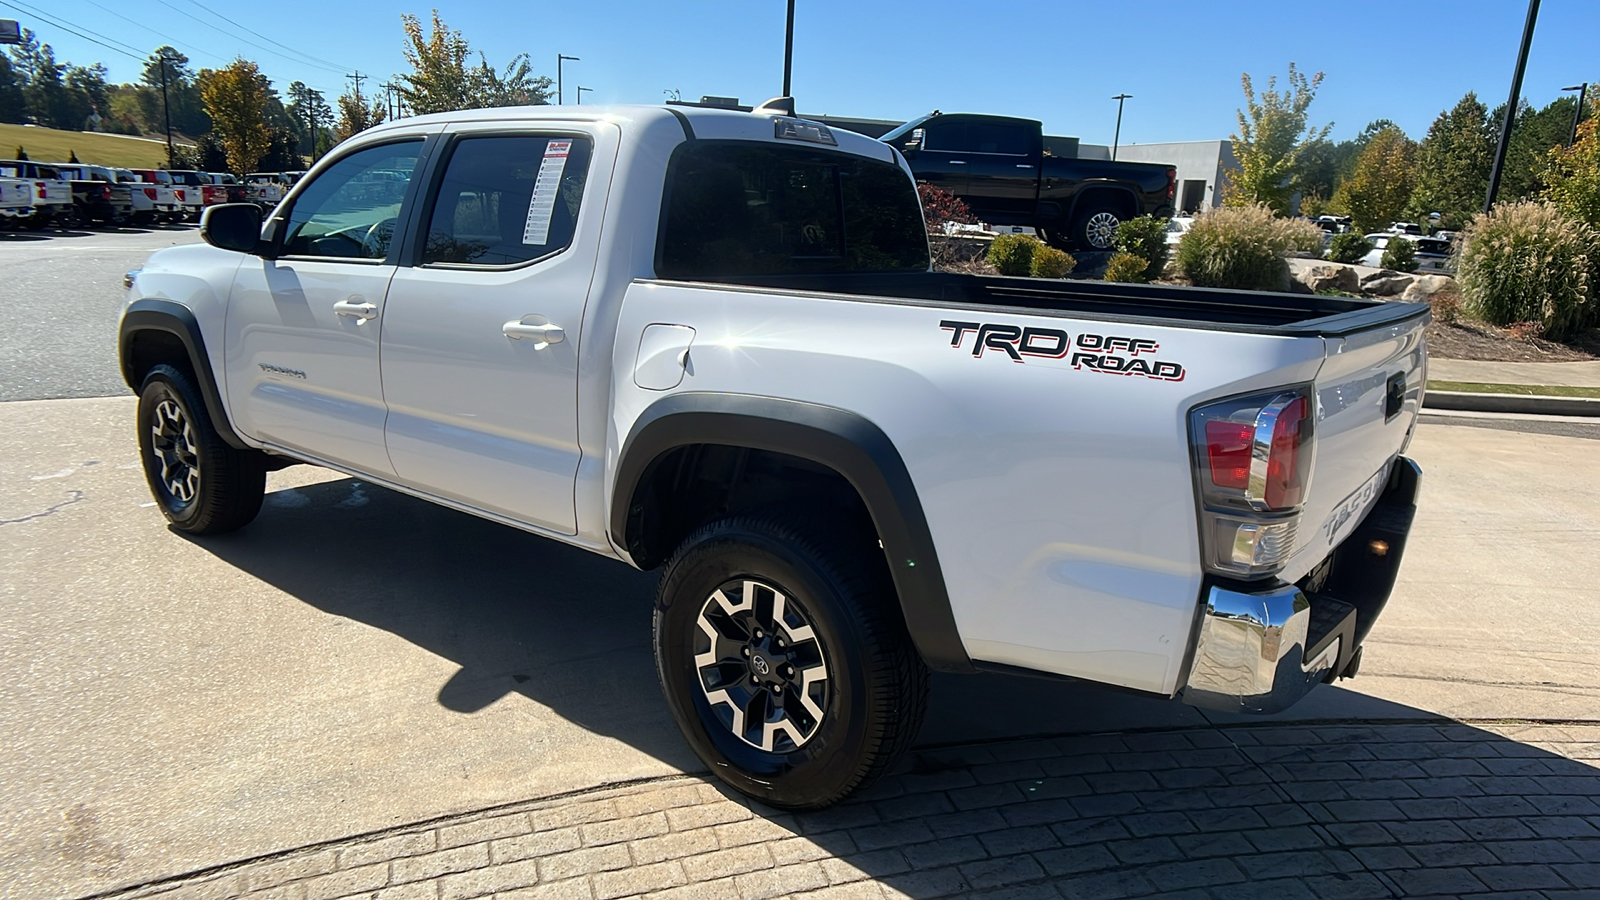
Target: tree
(1535,133)
(13,106)
(355,116)
(236,99)
(183,93)
(1453,164)
(442,80)
(1381,186)
(310,117)
(42,89)
(22,155)
(1272,137)
(1572,176)
(87,94)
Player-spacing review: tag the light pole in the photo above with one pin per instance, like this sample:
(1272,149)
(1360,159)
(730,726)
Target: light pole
(788,50)
(581,89)
(559,60)
(1511,106)
(1583,91)
(1117,138)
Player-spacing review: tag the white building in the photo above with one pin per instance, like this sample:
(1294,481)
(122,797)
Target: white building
(1202,167)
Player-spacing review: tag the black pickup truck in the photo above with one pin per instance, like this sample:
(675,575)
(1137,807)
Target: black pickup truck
(998,166)
(97,197)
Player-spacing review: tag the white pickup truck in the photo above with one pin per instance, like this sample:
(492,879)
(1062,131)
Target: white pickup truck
(710,340)
(51,198)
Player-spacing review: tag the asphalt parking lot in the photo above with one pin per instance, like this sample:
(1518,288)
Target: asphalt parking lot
(362,693)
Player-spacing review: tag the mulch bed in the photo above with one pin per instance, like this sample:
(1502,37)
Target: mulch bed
(1491,343)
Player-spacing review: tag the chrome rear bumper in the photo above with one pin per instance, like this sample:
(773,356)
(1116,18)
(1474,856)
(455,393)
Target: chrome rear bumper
(1260,651)
(1251,653)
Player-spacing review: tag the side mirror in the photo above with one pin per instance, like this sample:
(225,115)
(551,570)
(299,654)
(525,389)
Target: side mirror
(232,226)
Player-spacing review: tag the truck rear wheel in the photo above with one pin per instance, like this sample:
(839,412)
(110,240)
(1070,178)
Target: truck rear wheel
(784,659)
(1096,228)
(201,484)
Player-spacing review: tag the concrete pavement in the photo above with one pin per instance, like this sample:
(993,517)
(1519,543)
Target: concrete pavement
(1570,374)
(357,661)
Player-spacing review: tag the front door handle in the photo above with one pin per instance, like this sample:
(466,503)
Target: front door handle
(958,162)
(542,335)
(355,309)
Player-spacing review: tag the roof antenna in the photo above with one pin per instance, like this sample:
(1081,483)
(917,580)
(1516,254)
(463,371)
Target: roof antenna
(782,106)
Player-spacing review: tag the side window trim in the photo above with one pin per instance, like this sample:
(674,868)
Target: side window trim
(445,145)
(277,225)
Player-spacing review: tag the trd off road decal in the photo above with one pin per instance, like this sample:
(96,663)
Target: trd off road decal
(1096,352)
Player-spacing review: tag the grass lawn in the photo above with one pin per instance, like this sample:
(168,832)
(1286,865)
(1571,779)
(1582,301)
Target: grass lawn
(1532,390)
(50,145)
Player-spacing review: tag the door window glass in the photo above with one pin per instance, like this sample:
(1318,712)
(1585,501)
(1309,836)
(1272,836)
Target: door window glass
(350,210)
(978,137)
(506,200)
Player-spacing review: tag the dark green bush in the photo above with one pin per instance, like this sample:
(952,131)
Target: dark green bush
(1238,247)
(1146,238)
(1400,255)
(1048,262)
(1012,254)
(1528,262)
(1348,248)
(1128,267)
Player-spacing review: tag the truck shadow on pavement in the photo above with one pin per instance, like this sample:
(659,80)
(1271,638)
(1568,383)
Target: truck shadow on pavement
(1034,786)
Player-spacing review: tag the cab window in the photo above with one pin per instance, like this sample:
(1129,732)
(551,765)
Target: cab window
(350,210)
(507,199)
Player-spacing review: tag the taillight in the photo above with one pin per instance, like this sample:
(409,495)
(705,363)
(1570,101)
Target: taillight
(150,192)
(1254,457)
(105,192)
(42,194)
(1172,183)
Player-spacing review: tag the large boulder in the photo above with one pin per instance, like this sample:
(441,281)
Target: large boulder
(1386,283)
(1328,277)
(1426,286)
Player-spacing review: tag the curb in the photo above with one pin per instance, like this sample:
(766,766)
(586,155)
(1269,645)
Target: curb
(1463,401)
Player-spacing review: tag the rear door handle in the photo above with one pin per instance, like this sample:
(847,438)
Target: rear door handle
(355,309)
(958,162)
(542,335)
(1024,166)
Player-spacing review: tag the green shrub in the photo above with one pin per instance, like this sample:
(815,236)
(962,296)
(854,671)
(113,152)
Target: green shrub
(1128,267)
(1301,235)
(1013,254)
(1400,255)
(1048,262)
(1528,262)
(1146,238)
(1238,247)
(1348,248)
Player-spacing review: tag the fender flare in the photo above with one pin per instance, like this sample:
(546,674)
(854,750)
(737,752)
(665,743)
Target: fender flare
(841,440)
(155,314)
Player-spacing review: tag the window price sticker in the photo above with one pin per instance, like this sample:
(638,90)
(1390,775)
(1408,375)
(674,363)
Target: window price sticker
(546,191)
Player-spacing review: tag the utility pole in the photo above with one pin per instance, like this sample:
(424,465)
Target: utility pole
(167,111)
(357,78)
(1511,106)
(581,89)
(1577,114)
(1117,138)
(788,50)
(560,58)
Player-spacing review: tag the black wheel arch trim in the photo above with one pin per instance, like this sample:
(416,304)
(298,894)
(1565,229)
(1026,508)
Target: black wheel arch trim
(845,442)
(1102,187)
(170,317)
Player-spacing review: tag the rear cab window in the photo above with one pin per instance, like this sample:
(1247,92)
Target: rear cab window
(507,200)
(744,208)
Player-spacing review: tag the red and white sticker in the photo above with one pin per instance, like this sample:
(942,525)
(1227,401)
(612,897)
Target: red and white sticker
(546,191)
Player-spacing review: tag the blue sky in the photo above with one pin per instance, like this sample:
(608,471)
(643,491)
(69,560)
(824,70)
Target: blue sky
(1055,61)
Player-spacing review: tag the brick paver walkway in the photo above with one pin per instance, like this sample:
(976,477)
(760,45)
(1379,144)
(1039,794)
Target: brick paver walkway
(1272,811)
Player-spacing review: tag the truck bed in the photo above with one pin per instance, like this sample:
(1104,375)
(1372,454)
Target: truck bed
(1290,315)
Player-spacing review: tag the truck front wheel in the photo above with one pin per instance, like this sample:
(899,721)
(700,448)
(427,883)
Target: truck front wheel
(201,484)
(785,661)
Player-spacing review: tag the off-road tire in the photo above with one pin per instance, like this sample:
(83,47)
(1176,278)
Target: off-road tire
(836,581)
(223,486)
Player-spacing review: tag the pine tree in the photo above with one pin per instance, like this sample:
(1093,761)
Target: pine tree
(1453,164)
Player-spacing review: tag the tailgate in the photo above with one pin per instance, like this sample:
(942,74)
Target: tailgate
(1369,394)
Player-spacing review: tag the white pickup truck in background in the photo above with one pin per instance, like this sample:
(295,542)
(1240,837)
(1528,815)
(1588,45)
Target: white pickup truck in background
(51,197)
(711,341)
(152,201)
